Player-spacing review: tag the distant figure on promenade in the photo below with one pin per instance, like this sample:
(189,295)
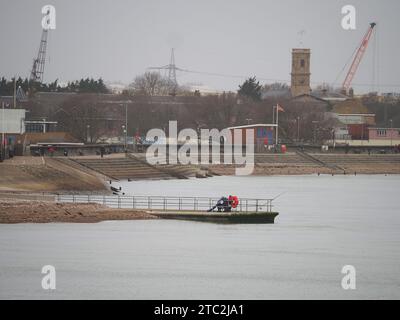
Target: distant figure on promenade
(102,151)
(51,151)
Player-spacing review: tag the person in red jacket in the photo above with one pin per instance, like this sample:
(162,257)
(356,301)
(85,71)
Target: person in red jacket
(233,202)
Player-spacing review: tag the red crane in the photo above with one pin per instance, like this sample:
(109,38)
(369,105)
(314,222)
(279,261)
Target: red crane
(357,59)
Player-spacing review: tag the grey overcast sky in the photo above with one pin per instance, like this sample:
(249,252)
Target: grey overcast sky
(119,39)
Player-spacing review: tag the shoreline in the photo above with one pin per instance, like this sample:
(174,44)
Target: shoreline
(59,175)
(284,170)
(14,211)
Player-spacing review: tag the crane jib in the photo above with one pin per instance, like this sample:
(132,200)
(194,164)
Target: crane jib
(357,59)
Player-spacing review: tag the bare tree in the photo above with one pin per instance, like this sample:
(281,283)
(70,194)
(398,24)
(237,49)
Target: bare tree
(276,86)
(150,84)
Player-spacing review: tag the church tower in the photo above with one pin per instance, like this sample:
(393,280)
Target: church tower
(300,83)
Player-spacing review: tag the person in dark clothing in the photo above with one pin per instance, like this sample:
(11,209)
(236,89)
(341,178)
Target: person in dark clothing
(222,205)
(102,151)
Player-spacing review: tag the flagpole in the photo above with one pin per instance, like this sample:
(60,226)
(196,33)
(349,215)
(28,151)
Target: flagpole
(2,151)
(277,124)
(15,92)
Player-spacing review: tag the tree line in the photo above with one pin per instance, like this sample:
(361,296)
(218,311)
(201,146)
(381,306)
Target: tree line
(88,85)
(147,84)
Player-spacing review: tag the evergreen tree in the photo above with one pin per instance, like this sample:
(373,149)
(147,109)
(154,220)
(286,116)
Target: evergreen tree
(251,88)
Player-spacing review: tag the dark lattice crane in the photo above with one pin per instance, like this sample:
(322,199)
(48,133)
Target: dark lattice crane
(357,59)
(39,62)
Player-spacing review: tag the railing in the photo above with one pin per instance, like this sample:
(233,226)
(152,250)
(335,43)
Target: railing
(200,204)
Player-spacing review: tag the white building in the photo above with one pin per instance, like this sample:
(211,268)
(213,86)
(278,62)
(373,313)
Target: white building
(12,121)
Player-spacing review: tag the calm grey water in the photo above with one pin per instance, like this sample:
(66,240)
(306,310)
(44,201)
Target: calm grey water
(325,223)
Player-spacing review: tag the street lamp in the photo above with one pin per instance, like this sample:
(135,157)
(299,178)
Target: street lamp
(125,135)
(125,127)
(88,133)
(315,130)
(333,138)
(298,129)
(2,151)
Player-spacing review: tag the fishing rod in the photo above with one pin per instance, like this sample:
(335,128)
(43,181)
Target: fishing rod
(269,202)
(279,195)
